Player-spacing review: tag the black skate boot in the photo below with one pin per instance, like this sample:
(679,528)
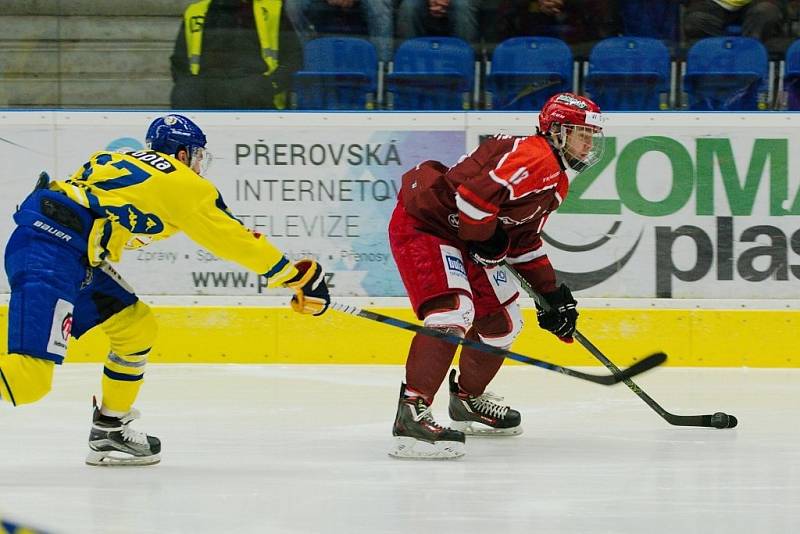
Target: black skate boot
(113,442)
(417,435)
(482,415)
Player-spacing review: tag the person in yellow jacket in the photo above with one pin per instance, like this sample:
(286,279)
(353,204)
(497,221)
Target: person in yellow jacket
(62,284)
(760,19)
(234,54)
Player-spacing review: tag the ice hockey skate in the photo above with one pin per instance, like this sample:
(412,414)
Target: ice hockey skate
(113,442)
(482,415)
(418,436)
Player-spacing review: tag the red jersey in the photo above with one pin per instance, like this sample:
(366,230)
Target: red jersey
(514,182)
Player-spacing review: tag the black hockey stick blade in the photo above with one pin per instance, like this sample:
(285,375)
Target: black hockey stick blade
(647,363)
(654,360)
(717,420)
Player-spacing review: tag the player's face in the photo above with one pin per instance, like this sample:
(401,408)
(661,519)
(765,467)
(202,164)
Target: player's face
(197,162)
(579,141)
(583,146)
(201,159)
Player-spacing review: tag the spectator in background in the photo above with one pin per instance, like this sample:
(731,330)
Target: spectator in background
(651,18)
(580,23)
(458,18)
(234,54)
(311,18)
(760,19)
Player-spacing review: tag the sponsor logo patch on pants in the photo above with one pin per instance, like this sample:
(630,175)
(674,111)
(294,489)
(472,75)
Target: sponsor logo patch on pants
(61,328)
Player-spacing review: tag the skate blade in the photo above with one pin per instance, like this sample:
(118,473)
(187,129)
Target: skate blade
(476,429)
(414,449)
(108,459)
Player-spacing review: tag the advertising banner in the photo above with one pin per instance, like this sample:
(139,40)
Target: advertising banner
(317,185)
(681,205)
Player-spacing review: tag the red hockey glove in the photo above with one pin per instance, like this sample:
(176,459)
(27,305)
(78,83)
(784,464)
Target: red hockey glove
(311,292)
(491,252)
(562,316)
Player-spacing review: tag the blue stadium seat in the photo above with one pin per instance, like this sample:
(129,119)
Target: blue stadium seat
(431,73)
(791,77)
(727,74)
(338,73)
(629,74)
(526,71)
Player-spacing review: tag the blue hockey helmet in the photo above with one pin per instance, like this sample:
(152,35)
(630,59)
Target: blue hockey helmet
(171,133)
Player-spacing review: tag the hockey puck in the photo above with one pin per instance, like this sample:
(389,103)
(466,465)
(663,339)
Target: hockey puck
(723,420)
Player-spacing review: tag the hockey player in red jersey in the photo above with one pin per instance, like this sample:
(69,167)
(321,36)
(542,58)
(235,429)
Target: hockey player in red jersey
(451,233)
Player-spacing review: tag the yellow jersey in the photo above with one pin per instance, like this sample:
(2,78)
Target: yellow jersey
(733,5)
(144,196)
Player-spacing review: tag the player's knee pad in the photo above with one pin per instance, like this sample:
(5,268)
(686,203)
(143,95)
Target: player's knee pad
(502,328)
(453,313)
(25,379)
(133,330)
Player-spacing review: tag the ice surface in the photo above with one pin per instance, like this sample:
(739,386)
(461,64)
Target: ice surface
(303,449)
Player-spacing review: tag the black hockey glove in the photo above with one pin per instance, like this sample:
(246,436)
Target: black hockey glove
(562,316)
(491,252)
(311,292)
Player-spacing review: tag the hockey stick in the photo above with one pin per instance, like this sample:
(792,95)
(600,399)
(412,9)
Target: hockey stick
(717,420)
(648,363)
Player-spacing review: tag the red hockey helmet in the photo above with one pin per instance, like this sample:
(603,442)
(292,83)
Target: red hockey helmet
(575,125)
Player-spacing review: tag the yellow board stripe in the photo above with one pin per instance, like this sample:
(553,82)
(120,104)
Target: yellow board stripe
(222,334)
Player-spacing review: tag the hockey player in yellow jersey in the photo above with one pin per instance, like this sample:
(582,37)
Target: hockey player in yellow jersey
(62,284)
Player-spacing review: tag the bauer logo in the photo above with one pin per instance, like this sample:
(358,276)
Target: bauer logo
(455,264)
(52,231)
